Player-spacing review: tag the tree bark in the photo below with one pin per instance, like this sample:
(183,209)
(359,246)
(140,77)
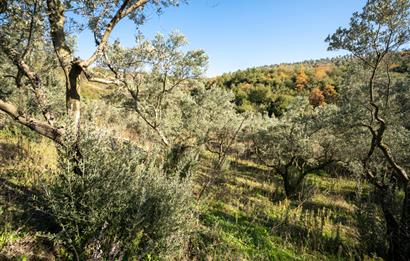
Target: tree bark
(73,97)
(72,70)
(293,188)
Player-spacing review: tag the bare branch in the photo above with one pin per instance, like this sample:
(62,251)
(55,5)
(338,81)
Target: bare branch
(31,32)
(90,77)
(122,12)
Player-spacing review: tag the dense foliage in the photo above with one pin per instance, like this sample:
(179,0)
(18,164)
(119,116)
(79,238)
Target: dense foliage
(270,89)
(122,205)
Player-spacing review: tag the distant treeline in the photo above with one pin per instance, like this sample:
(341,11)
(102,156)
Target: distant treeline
(270,89)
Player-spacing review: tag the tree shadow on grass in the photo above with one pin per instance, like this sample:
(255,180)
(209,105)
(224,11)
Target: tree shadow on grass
(260,232)
(269,185)
(8,152)
(251,172)
(307,237)
(22,206)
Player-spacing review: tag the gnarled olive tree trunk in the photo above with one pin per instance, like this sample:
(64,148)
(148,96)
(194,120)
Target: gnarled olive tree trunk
(293,184)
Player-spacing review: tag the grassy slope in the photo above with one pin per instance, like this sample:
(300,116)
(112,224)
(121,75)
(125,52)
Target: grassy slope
(245,216)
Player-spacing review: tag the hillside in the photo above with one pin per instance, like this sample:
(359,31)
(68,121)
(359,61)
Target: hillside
(270,89)
(117,147)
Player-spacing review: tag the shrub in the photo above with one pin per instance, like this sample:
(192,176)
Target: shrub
(122,205)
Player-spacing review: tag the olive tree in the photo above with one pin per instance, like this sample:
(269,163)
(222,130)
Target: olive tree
(123,206)
(224,126)
(298,143)
(36,36)
(373,38)
(162,84)
(156,80)
(153,77)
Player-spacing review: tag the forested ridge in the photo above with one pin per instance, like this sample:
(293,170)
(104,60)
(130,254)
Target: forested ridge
(269,89)
(133,153)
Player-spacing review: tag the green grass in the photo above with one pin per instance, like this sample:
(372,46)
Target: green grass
(240,236)
(93,91)
(245,216)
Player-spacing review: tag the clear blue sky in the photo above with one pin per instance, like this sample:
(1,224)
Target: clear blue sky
(237,34)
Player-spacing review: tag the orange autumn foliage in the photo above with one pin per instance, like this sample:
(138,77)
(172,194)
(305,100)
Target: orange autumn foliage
(316,97)
(321,71)
(301,79)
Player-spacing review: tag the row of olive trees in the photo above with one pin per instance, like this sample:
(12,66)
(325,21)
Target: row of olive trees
(303,140)
(153,79)
(160,84)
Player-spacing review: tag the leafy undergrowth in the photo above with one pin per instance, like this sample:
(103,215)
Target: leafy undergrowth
(245,216)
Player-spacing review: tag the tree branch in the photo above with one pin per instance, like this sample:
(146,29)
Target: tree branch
(90,77)
(56,18)
(33,77)
(39,127)
(31,32)
(122,12)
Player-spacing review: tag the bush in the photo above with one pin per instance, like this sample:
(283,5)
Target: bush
(121,206)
